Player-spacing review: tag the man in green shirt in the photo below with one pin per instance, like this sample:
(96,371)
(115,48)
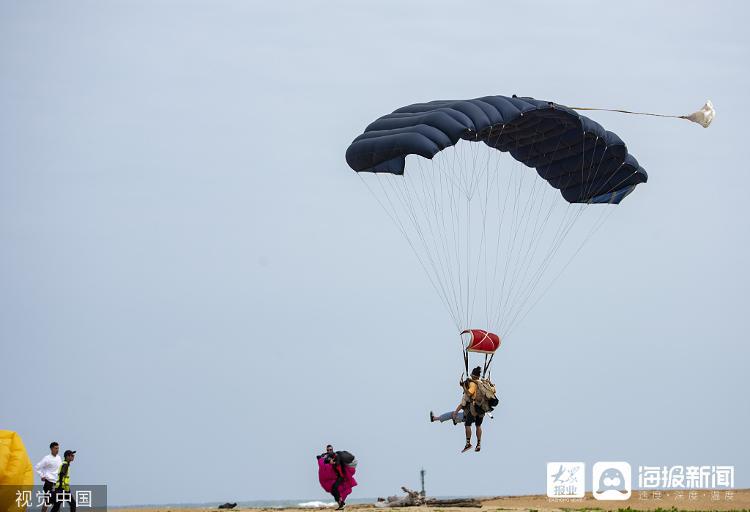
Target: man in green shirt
(62,492)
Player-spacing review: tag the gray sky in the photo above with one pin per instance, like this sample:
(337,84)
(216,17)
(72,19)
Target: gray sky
(183,245)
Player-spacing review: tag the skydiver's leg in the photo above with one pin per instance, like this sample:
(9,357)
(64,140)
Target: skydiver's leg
(448,416)
(335,490)
(478,423)
(468,437)
(336,494)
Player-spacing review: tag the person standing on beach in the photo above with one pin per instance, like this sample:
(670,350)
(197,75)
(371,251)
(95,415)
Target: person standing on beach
(472,414)
(62,489)
(47,469)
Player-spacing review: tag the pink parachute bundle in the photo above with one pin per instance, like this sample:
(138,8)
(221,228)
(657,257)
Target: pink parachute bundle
(327,476)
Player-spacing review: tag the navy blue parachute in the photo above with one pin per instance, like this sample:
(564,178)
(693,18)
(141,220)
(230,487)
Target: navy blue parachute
(574,154)
(491,235)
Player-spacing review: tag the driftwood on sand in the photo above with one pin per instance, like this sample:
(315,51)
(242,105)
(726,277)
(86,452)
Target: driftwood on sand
(416,499)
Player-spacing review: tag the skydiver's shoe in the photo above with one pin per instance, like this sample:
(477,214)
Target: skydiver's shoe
(466,448)
(432,417)
(341,505)
(479,447)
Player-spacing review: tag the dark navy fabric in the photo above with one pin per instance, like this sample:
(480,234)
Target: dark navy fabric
(587,163)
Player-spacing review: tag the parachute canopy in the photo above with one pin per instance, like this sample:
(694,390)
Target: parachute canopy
(16,472)
(487,230)
(574,154)
(481,341)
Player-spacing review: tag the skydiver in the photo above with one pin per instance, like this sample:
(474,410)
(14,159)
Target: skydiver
(340,475)
(471,414)
(466,412)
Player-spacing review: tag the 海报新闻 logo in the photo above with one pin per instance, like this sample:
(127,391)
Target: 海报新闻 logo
(611,481)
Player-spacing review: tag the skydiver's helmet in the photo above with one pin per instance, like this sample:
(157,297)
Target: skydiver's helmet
(476,372)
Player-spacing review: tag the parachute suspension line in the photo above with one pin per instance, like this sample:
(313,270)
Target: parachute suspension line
(456,227)
(432,198)
(517,263)
(592,180)
(539,230)
(466,362)
(521,298)
(406,196)
(491,309)
(438,267)
(455,230)
(524,293)
(565,226)
(483,244)
(468,261)
(512,235)
(524,262)
(602,220)
(446,191)
(599,222)
(469,195)
(487,363)
(399,224)
(482,204)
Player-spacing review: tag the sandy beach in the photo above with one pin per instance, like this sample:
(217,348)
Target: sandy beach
(640,500)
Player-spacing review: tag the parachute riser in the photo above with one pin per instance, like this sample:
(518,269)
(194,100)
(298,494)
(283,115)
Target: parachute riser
(485,367)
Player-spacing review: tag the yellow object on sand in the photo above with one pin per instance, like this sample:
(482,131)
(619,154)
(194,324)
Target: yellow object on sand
(16,472)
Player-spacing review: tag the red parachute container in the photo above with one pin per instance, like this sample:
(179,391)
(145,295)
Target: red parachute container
(482,341)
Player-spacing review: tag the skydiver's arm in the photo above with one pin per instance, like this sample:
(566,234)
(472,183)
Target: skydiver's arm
(458,408)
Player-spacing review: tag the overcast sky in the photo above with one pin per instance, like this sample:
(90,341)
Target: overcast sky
(197,293)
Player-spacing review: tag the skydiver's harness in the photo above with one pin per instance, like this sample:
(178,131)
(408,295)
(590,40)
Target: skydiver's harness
(485,398)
